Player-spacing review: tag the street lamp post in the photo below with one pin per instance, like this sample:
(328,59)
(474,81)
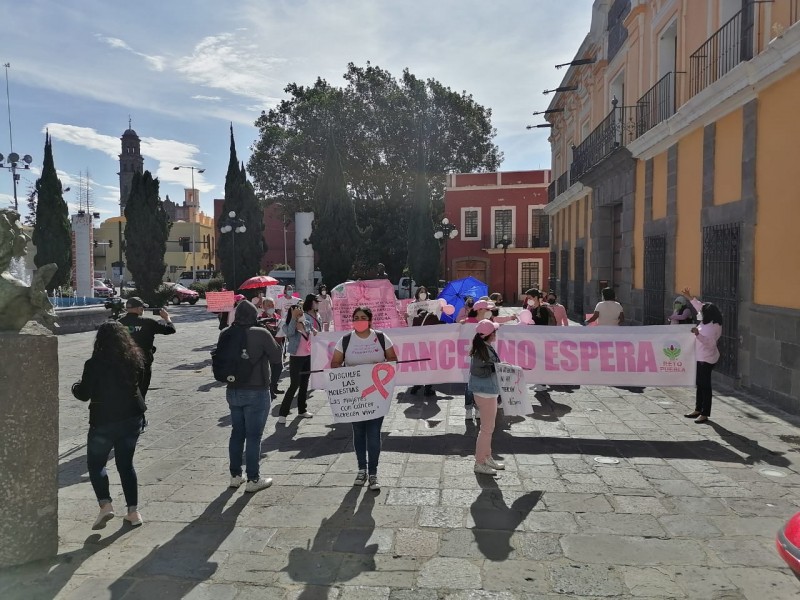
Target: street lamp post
(445,231)
(504,244)
(194,216)
(233,225)
(285,223)
(13,158)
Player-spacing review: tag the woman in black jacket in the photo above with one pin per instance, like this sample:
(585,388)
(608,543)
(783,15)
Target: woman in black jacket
(110,382)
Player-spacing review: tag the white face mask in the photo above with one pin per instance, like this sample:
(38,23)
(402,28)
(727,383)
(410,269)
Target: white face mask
(323,293)
(270,311)
(423,296)
(531,302)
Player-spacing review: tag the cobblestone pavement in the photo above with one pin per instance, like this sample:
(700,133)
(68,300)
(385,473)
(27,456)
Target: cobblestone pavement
(688,511)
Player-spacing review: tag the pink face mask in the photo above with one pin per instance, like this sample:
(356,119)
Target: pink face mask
(360,326)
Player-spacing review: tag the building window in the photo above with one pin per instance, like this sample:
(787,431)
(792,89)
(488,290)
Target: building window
(539,229)
(529,275)
(470,223)
(503,224)
(184,242)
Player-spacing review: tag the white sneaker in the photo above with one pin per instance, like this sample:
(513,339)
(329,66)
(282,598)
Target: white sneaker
(484,469)
(494,464)
(306,415)
(106,514)
(236,481)
(281,420)
(540,388)
(261,484)
(373,483)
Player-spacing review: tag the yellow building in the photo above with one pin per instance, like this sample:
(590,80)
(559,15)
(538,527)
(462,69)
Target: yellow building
(674,142)
(178,257)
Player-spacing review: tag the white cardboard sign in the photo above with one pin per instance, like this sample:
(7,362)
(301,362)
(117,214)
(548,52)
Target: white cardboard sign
(513,391)
(360,393)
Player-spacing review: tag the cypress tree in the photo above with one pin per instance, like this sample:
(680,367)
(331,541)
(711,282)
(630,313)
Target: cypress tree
(146,233)
(52,233)
(423,250)
(240,197)
(335,235)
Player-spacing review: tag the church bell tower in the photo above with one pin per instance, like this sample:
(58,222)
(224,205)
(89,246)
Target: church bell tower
(130,162)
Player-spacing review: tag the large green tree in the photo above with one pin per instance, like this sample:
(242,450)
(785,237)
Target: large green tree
(52,232)
(249,246)
(335,234)
(376,119)
(147,228)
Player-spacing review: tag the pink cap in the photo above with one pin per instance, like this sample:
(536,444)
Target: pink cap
(483,305)
(486,327)
(238,297)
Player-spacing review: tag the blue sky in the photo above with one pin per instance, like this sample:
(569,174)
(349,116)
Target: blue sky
(184,70)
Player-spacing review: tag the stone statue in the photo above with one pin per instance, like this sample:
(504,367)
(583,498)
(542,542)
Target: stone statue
(18,302)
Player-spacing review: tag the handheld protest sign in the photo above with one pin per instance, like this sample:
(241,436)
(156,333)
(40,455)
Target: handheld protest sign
(513,392)
(360,393)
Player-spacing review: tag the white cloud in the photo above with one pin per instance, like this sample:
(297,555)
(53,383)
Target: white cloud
(156,62)
(208,98)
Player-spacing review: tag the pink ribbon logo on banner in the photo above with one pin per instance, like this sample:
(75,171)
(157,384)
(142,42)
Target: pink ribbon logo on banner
(382,374)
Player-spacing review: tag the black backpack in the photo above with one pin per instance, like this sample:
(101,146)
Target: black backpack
(230,361)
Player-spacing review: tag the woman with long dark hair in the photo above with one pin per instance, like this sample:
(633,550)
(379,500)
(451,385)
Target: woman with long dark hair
(485,388)
(706,335)
(110,382)
(299,330)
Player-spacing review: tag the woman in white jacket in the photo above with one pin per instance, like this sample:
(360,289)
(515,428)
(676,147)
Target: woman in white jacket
(707,334)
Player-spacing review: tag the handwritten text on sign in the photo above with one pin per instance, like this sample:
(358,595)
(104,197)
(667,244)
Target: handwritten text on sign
(360,393)
(513,390)
(219,301)
(378,294)
(655,355)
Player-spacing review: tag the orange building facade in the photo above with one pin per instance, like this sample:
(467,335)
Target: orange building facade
(674,151)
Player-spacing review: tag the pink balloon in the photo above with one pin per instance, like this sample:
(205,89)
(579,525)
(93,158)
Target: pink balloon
(525,317)
(442,302)
(448,309)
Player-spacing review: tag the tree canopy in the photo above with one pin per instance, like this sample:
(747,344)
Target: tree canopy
(146,231)
(52,234)
(385,154)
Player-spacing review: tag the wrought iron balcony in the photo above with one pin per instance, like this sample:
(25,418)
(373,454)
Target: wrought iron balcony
(538,241)
(730,45)
(656,105)
(562,183)
(618,129)
(551,191)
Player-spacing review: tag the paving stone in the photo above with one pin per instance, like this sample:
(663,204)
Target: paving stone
(441,517)
(586,580)
(746,553)
(746,526)
(503,580)
(413,497)
(638,504)
(695,506)
(554,522)
(362,592)
(576,503)
(449,573)
(622,478)
(689,526)
(413,594)
(536,546)
(312,592)
(676,487)
(416,542)
(478,595)
(212,591)
(759,584)
(619,524)
(629,550)
(650,583)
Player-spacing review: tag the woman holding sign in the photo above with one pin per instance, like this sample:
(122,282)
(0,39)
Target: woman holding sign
(364,346)
(485,387)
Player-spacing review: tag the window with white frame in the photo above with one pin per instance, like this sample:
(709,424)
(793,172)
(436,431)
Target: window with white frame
(470,223)
(503,224)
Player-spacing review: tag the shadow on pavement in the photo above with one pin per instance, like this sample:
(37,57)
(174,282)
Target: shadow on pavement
(196,366)
(549,409)
(207,387)
(45,578)
(339,551)
(495,521)
(754,451)
(185,558)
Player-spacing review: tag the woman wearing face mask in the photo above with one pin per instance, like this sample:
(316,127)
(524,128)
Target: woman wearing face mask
(541,313)
(325,308)
(484,385)
(271,322)
(365,346)
(425,319)
(706,336)
(461,317)
(299,330)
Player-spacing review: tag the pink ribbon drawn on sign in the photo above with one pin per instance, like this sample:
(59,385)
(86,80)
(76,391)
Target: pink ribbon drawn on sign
(382,373)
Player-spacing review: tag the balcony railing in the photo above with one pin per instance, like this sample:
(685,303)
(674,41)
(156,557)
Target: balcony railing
(730,45)
(551,191)
(540,240)
(617,33)
(562,183)
(656,105)
(618,129)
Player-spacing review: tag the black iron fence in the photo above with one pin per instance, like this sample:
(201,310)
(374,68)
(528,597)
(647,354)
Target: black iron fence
(730,45)
(619,128)
(655,264)
(656,105)
(551,191)
(562,183)
(536,240)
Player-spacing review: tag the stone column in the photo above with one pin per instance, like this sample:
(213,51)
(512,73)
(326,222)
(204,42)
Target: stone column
(28,445)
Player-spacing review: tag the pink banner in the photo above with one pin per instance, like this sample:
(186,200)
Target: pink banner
(378,294)
(657,355)
(219,301)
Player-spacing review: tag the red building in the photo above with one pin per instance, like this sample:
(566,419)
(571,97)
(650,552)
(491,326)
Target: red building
(503,234)
(278,236)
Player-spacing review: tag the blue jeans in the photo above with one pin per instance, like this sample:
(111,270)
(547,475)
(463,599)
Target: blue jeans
(367,440)
(249,410)
(122,437)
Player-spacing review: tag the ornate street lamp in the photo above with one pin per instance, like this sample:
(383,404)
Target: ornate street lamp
(504,244)
(445,231)
(233,225)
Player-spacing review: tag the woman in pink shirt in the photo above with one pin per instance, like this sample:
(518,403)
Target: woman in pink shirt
(707,334)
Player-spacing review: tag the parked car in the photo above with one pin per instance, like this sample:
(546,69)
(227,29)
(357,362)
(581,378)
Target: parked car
(101,290)
(202,276)
(181,293)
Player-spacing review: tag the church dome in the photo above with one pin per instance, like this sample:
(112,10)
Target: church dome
(129,133)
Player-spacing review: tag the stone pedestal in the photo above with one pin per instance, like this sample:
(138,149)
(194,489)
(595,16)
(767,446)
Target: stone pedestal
(28,445)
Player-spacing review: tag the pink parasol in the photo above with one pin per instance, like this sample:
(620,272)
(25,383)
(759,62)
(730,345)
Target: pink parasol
(259,281)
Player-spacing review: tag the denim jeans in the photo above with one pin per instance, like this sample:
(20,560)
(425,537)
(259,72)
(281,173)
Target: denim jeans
(122,437)
(249,410)
(367,440)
